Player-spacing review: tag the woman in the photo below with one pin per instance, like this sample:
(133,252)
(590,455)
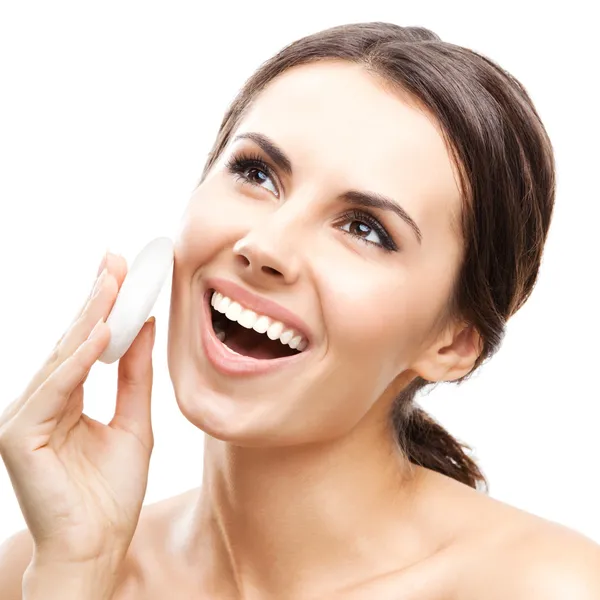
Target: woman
(372,213)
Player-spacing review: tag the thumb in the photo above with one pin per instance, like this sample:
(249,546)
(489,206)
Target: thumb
(134,387)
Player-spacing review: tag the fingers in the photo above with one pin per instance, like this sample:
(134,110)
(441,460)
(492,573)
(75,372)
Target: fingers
(134,387)
(98,283)
(38,416)
(98,305)
(103,264)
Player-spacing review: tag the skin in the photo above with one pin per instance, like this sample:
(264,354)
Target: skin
(375,324)
(305,495)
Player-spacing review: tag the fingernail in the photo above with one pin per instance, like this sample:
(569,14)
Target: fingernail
(103,263)
(96,326)
(99,282)
(152,321)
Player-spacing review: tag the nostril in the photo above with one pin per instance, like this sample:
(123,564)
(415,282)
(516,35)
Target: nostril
(246,262)
(243,260)
(271,271)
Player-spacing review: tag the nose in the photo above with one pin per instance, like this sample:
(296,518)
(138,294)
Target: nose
(263,260)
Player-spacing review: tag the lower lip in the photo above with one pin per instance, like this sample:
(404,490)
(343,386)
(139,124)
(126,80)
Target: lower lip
(229,363)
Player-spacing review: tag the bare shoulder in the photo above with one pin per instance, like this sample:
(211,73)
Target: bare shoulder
(159,517)
(15,555)
(150,547)
(550,562)
(497,551)
(535,559)
(16,551)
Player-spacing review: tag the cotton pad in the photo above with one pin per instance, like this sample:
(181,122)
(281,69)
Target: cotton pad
(137,296)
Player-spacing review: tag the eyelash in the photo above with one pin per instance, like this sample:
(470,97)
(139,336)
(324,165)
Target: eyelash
(387,243)
(238,164)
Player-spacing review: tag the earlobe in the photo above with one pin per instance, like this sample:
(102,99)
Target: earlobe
(451,356)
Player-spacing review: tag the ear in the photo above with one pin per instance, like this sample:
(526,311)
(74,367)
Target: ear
(452,354)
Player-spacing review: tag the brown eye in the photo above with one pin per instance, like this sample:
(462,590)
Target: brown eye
(367,229)
(253,171)
(256,176)
(362,230)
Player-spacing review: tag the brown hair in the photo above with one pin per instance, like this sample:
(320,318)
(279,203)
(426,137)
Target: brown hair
(507,175)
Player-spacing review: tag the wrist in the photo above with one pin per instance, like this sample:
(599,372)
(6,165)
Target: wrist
(93,580)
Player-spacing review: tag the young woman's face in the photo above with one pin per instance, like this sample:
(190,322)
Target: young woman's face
(334,210)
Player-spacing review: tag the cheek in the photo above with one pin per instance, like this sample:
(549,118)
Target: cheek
(377,316)
(212,219)
(363,317)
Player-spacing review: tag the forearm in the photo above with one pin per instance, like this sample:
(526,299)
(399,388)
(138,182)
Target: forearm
(96,581)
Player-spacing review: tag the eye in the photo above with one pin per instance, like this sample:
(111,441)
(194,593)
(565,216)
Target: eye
(368,229)
(254,171)
(362,230)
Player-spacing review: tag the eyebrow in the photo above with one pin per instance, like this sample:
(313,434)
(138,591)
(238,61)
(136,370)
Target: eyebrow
(277,155)
(373,200)
(352,197)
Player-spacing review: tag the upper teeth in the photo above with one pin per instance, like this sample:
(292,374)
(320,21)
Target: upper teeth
(247,318)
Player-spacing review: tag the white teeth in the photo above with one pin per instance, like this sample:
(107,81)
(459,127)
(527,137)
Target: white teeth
(262,324)
(247,318)
(234,311)
(286,337)
(275,330)
(216,298)
(223,305)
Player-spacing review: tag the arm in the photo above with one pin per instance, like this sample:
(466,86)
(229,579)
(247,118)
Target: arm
(15,556)
(21,579)
(54,581)
(80,484)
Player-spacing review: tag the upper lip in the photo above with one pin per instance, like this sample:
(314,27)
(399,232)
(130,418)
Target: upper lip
(259,305)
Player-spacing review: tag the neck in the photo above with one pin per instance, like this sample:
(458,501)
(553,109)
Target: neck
(305,519)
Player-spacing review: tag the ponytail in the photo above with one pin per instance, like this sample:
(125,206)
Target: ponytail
(426,443)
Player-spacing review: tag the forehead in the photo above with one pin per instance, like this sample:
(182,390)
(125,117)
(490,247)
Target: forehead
(337,121)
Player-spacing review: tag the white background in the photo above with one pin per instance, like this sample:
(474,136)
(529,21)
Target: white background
(108,110)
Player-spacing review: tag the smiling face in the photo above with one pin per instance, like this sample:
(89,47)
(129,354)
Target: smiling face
(333,210)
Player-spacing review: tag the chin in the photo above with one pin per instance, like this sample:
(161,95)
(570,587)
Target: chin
(235,399)
(242,420)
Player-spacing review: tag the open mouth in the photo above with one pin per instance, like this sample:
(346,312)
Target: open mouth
(244,339)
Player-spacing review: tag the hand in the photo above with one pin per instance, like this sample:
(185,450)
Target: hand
(81,484)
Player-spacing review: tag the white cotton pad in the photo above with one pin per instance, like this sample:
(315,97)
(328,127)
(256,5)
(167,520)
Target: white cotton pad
(137,296)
